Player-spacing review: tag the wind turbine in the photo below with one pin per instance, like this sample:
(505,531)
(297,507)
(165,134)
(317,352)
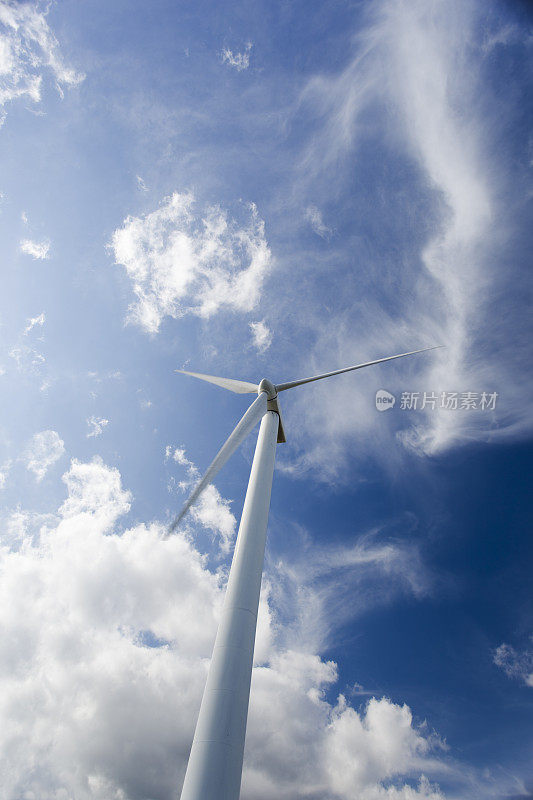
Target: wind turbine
(215,762)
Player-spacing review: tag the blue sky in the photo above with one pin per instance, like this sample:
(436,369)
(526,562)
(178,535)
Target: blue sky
(267,189)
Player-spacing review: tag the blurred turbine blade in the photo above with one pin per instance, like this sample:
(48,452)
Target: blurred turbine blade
(239,387)
(281,387)
(236,437)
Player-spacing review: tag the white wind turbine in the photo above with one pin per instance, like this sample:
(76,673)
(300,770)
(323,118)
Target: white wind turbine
(215,762)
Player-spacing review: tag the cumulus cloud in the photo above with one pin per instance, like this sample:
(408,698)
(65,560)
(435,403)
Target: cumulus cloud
(261,336)
(300,745)
(181,263)
(40,251)
(94,490)
(96,426)
(515,664)
(103,658)
(418,70)
(44,450)
(239,61)
(29,52)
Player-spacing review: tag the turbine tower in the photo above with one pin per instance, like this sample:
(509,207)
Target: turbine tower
(215,763)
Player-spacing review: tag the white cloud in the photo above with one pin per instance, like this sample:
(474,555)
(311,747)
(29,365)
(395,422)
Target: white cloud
(27,358)
(28,52)
(141,184)
(424,57)
(314,216)
(419,70)
(94,490)
(37,250)
(515,664)
(301,745)
(44,450)
(103,658)
(96,426)
(261,336)
(240,61)
(109,375)
(4,472)
(33,321)
(22,528)
(504,35)
(212,510)
(337,584)
(180,263)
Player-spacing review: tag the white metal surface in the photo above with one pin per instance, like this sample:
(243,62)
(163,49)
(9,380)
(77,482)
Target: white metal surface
(245,426)
(281,387)
(215,763)
(239,387)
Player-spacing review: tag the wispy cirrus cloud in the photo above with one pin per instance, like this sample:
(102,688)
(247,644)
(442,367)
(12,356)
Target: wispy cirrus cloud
(516,664)
(184,261)
(314,216)
(27,358)
(336,584)
(4,472)
(44,450)
(261,336)
(39,320)
(29,52)
(96,426)
(239,61)
(417,89)
(141,185)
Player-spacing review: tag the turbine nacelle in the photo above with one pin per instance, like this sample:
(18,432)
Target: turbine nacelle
(268,387)
(267,400)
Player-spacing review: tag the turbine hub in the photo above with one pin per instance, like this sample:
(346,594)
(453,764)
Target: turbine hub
(268,387)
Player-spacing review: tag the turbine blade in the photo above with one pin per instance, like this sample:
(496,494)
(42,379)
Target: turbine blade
(281,387)
(239,387)
(239,433)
